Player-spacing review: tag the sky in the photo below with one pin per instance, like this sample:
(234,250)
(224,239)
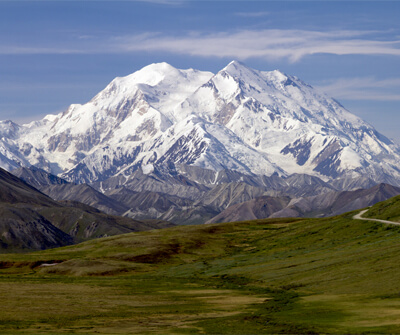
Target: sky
(56,53)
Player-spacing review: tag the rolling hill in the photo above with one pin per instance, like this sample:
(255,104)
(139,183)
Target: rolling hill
(328,275)
(386,210)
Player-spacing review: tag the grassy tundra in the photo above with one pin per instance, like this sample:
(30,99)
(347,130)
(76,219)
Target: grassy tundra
(331,275)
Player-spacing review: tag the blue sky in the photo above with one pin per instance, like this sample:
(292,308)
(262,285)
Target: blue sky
(54,53)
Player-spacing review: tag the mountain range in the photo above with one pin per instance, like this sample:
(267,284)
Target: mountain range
(234,201)
(240,119)
(185,145)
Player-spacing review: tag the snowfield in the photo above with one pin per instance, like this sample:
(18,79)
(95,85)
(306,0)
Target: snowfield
(240,119)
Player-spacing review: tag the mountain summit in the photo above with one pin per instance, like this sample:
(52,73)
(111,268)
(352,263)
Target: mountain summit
(240,119)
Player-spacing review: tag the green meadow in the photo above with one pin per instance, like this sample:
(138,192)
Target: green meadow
(386,210)
(332,275)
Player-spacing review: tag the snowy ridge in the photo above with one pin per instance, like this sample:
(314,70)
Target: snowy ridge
(240,119)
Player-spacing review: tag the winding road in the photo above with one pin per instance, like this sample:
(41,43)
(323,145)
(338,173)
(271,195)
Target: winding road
(358,217)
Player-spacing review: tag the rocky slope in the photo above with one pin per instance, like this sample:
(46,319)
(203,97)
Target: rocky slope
(37,177)
(327,204)
(260,207)
(59,189)
(30,220)
(237,198)
(335,203)
(87,195)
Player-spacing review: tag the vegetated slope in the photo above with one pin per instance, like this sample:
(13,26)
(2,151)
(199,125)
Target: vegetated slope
(328,275)
(385,210)
(327,204)
(30,220)
(83,222)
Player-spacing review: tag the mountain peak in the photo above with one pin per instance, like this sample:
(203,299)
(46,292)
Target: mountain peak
(247,120)
(239,72)
(236,68)
(162,67)
(8,128)
(151,74)
(253,77)
(236,63)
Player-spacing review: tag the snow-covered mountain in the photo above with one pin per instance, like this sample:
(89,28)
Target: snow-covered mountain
(240,119)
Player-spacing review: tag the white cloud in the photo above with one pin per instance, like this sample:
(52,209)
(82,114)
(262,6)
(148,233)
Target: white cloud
(366,88)
(270,44)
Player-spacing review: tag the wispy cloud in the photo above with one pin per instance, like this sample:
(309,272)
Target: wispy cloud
(42,50)
(271,44)
(366,88)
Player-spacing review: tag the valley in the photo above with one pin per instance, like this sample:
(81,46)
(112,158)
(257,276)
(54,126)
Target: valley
(182,201)
(298,275)
(199,167)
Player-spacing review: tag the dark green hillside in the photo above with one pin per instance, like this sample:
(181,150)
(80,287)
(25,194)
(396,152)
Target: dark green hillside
(30,220)
(332,275)
(386,210)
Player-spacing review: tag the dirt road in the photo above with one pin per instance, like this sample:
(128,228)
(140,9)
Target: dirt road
(358,217)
